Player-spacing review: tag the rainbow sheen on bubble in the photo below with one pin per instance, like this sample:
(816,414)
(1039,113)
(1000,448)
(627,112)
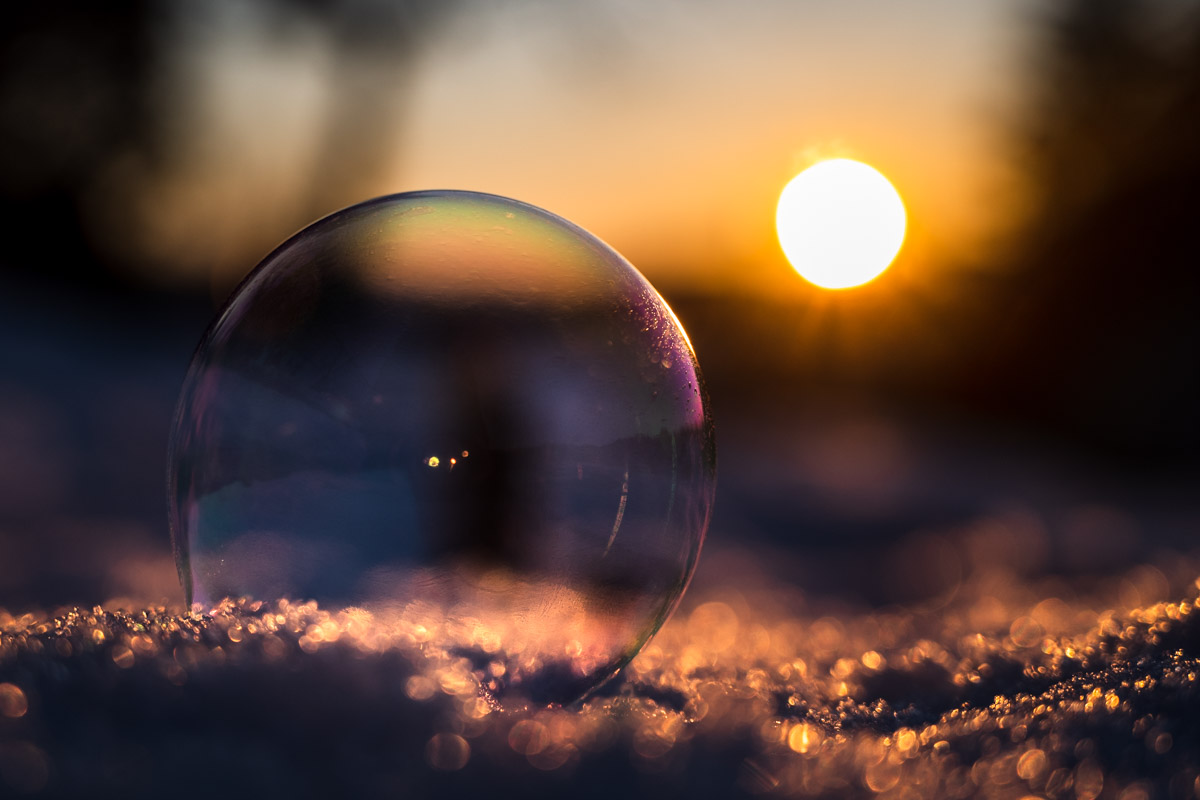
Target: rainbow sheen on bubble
(459,412)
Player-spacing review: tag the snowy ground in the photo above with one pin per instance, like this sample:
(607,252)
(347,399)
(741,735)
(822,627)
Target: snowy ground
(888,605)
(1007,687)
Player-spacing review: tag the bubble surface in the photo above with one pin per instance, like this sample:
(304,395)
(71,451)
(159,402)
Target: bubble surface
(463,414)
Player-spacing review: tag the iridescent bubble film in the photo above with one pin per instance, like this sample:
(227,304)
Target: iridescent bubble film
(463,414)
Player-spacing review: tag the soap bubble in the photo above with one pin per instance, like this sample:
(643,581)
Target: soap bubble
(462,414)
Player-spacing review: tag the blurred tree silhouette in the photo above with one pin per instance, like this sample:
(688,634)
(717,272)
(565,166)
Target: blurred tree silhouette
(1097,331)
(98,120)
(71,96)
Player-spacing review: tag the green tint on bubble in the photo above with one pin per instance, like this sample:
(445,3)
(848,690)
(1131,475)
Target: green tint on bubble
(455,410)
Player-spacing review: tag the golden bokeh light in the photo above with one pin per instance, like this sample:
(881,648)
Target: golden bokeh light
(840,223)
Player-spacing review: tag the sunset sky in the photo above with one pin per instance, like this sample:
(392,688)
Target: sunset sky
(670,132)
(668,129)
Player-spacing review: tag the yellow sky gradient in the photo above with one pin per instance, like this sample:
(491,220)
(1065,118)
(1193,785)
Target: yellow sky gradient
(675,150)
(667,128)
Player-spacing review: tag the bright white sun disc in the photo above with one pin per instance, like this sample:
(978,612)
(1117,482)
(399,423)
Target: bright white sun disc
(840,223)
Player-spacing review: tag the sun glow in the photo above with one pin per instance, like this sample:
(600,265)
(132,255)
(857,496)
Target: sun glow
(840,223)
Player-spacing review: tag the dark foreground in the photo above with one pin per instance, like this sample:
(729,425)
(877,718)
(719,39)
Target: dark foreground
(1000,688)
(889,606)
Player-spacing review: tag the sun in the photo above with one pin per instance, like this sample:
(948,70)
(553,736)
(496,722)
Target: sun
(840,223)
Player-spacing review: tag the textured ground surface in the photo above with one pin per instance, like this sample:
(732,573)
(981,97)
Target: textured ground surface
(1001,686)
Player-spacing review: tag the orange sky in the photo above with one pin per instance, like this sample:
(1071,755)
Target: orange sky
(667,128)
(673,142)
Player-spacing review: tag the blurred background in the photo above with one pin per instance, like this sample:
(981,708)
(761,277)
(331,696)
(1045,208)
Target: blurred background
(1018,391)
